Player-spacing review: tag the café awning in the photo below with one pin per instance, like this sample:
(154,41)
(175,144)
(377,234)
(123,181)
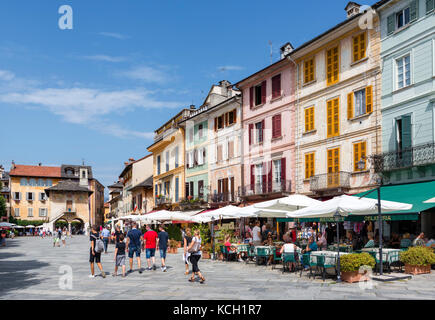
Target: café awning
(412,193)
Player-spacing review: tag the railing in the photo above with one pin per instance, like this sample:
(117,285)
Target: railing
(223,197)
(330,181)
(267,187)
(419,155)
(193,203)
(162,200)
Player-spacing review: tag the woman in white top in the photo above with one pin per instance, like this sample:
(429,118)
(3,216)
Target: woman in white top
(195,254)
(290,248)
(63,237)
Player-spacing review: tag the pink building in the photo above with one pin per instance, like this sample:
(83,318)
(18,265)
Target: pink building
(268,121)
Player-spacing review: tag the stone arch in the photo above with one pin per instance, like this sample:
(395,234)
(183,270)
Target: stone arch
(77,225)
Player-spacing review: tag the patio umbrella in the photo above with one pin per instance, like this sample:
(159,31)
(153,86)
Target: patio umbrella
(431,200)
(290,203)
(30,226)
(18,227)
(6,224)
(228,212)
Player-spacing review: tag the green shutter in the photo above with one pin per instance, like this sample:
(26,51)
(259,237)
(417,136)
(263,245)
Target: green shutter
(429,5)
(406,132)
(391,23)
(413,11)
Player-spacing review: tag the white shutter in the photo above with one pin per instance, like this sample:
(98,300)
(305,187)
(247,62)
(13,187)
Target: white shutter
(225,150)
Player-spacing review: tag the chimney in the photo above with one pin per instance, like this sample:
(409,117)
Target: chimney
(225,86)
(192,107)
(126,163)
(131,159)
(40,164)
(286,49)
(352,9)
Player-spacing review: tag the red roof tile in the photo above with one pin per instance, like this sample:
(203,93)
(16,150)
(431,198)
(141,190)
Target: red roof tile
(35,171)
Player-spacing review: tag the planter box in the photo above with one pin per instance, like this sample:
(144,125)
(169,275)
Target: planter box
(172,250)
(354,276)
(205,255)
(180,244)
(410,269)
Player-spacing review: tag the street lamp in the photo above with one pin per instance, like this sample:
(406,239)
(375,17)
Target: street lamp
(361,164)
(337,218)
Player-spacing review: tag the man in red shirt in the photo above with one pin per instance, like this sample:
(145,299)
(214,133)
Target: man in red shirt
(150,238)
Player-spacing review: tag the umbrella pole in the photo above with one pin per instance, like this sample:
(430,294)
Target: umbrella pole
(381,226)
(338,253)
(212,238)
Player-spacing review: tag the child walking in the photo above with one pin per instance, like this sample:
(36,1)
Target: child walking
(120,255)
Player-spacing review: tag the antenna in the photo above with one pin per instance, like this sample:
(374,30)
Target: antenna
(83,162)
(271,52)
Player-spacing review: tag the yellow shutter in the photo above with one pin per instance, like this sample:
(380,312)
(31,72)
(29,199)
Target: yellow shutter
(329,118)
(332,66)
(329,67)
(362,46)
(355,49)
(369,99)
(336,128)
(307,166)
(350,105)
(307,120)
(312,118)
(363,152)
(330,161)
(311,73)
(312,164)
(356,156)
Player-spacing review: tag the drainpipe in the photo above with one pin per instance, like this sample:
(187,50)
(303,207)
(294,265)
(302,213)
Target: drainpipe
(297,123)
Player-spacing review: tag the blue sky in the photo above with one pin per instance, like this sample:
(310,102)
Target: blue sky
(98,92)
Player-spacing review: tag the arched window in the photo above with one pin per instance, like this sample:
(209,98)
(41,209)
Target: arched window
(49,183)
(32,182)
(23,182)
(41,183)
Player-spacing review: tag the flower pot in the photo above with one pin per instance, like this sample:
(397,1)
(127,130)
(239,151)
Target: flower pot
(179,244)
(354,276)
(205,255)
(411,269)
(173,250)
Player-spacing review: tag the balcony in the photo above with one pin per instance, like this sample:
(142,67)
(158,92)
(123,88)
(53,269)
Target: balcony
(191,203)
(330,181)
(416,156)
(265,189)
(163,200)
(224,197)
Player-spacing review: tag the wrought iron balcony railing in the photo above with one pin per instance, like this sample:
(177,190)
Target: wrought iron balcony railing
(267,187)
(223,197)
(162,200)
(322,182)
(419,155)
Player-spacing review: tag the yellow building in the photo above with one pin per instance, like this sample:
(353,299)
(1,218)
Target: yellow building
(168,163)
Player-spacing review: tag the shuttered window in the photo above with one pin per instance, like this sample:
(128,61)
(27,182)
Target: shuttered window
(332,66)
(276,86)
(276,126)
(360,102)
(359,47)
(309,165)
(309,119)
(333,118)
(309,70)
(333,165)
(359,153)
(429,5)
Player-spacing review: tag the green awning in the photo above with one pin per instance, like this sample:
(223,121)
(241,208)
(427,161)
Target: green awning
(372,217)
(412,193)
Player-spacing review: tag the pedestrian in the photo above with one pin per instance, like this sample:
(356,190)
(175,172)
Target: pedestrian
(95,256)
(187,239)
(105,235)
(256,234)
(195,254)
(162,245)
(55,238)
(120,256)
(63,236)
(117,234)
(3,238)
(133,246)
(150,238)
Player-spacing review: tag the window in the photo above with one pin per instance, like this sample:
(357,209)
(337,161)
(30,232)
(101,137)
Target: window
(276,126)
(167,161)
(17,195)
(30,212)
(30,196)
(333,165)
(166,188)
(405,16)
(259,127)
(309,165)
(41,183)
(158,165)
(232,117)
(219,153)
(42,212)
(276,86)
(403,133)
(430,4)
(403,72)
(200,132)
(177,182)
(23,182)
(402,18)
(200,189)
(83,174)
(32,182)
(359,153)
(190,135)
(42,196)
(257,94)
(49,183)
(176,157)
(333,125)
(277,172)
(17,212)
(309,119)
(230,149)
(259,175)
(69,206)
(359,47)
(360,102)
(309,70)
(332,66)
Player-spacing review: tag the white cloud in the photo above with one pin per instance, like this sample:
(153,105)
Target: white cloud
(83,105)
(6,75)
(230,68)
(105,58)
(146,74)
(114,35)
(117,131)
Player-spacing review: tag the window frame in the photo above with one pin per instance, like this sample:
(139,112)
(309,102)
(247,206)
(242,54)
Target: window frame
(308,113)
(360,58)
(311,76)
(403,65)
(332,81)
(355,161)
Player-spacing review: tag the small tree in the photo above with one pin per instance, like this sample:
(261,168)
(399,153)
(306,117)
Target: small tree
(3,210)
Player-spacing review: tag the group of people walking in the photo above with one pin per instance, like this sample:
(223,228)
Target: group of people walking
(59,235)
(134,243)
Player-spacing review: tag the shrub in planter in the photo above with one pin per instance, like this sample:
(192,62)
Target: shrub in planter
(206,250)
(350,265)
(418,260)
(173,246)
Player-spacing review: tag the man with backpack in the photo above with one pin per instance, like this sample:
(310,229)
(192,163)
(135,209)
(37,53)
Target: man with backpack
(97,246)
(134,239)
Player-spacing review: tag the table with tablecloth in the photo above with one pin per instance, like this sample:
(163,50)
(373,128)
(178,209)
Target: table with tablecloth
(330,257)
(388,255)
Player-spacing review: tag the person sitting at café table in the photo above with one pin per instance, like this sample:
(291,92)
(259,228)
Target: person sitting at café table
(431,242)
(419,241)
(395,241)
(321,241)
(351,239)
(405,242)
(230,248)
(290,248)
(371,242)
(311,246)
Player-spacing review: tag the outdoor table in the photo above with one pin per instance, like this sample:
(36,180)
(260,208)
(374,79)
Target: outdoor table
(343,248)
(241,247)
(330,257)
(267,249)
(388,255)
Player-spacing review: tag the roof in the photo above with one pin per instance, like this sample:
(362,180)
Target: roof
(147,183)
(5,175)
(35,171)
(106,204)
(124,171)
(69,186)
(76,171)
(116,185)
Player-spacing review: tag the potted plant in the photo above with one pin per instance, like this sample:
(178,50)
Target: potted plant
(206,250)
(219,250)
(173,246)
(417,260)
(350,266)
